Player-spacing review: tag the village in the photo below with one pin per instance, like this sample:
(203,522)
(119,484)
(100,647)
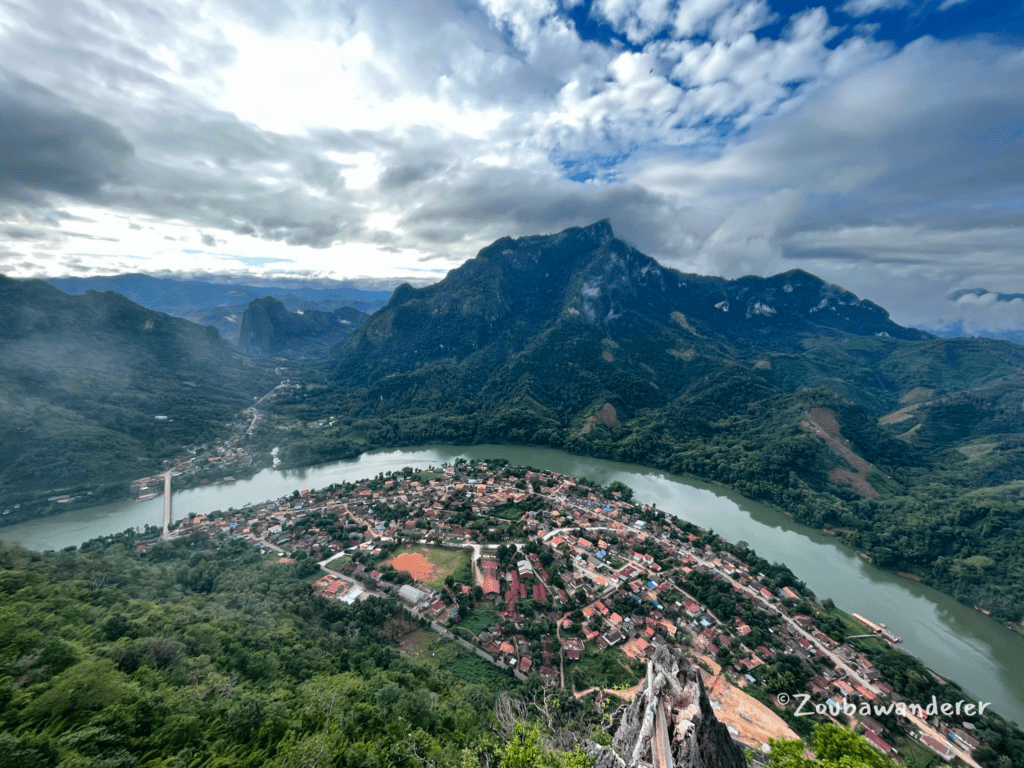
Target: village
(206,464)
(542,574)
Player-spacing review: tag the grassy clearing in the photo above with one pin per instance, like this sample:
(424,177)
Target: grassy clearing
(443,654)
(445,562)
(915,755)
(427,475)
(417,645)
(483,617)
(605,669)
(854,627)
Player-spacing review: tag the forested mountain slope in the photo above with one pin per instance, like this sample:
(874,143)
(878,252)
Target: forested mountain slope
(268,328)
(191,656)
(222,304)
(84,378)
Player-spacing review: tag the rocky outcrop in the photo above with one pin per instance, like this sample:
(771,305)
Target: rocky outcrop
(670,723)
(268,328)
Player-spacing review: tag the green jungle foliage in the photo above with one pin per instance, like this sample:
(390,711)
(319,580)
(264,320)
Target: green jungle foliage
(838,747)
(188,656)
(833,746)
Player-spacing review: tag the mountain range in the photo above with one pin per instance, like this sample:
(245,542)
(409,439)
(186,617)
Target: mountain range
(792,390)
(577,319)
(223,305)
(268,328)
(789,389)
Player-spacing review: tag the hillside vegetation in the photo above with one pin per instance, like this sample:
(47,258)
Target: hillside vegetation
(201,657)
(83,380)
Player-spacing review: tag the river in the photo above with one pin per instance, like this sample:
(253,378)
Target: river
(980,654)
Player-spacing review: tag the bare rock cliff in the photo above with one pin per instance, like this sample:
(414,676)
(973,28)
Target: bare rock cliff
(670,723)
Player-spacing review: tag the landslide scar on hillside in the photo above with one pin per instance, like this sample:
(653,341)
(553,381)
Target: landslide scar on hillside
(822,422)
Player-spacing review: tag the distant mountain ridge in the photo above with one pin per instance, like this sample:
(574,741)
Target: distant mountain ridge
(516,288)
(589,303)
(958,330)
(217,304)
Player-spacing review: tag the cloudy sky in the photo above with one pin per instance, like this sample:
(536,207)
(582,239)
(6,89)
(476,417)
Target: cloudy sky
(877,143)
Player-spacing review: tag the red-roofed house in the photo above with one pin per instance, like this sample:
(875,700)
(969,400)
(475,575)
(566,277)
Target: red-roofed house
(940,748)
(878,742)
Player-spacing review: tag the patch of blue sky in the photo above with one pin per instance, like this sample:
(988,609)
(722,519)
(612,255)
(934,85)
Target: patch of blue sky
(943,20)
(602,168)
(715,130)
(940,19)
(591,26)
(714,133)
(252,261)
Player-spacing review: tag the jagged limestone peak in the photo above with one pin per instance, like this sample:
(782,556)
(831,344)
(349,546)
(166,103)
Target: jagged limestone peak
(670,723)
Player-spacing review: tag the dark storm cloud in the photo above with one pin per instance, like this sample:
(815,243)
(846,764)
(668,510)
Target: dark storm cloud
(50,146)
(21,233)
(400,176)
(172,154)
(502,202)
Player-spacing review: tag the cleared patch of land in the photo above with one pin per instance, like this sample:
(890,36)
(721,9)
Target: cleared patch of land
(976,450)
(483,617)
(606,416)
(754,722)
(918,395)
(897,416)
(431,565)
(443,654)
(822,422)
(910,434)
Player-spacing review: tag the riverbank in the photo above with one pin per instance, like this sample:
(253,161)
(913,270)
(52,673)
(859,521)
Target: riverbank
(93,496)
